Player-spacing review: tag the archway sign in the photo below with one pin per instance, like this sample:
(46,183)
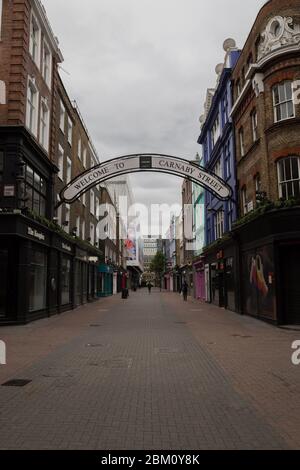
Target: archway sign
(156,163)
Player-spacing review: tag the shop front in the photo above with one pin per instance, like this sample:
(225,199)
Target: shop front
(105,284)
(38,271)
(219,276)
(199,280)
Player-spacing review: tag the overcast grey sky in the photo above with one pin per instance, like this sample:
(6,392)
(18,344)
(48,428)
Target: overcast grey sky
(139,70)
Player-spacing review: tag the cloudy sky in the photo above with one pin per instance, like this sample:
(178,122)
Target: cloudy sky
(139,70)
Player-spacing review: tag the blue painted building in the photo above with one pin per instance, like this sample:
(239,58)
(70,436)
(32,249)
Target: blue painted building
(218,149)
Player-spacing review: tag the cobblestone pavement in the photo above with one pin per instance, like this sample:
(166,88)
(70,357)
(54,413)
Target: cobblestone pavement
(151,372)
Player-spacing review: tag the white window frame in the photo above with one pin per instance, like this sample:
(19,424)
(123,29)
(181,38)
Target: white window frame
(242,141)
(92,233)
(219,224)
(35,42)
(44,125)
(78,226)
(216,131)
(84,157)
(69,170)
(83,230)
(70,130)
(47,64)
(254,122)
(60,162)
(67,218)
(32,121)
(244,200)
(1,6)
(285,182)
(79,149)
(283,103)
(62,116)
(92,202)
(218,169)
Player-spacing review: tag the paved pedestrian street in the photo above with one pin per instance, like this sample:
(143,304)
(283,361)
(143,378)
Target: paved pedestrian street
(150,372)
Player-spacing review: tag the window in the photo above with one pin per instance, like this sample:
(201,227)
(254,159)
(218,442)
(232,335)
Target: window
(257,183)
(254,122)
(0,17)
(70,129)
(244,200)
(215,133)
(84,159)
(283,101)
(59,212)
(35,191)
(225,108)
(92,234)
(62,114)
(69,171)
(218,169)
(84,199)
(230,215)
(219,224)
(46,64)
(34,41)
(78,226)
(67,218)
(242,143)
(83,230)
(32,108)
(61,162)
(289,177)
(44,125)
(65,280)
(37,279)
(92,202)
(79,149)
(227,161)
(1,165)
(239,87)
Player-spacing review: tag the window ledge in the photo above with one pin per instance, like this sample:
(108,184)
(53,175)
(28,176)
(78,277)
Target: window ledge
(283,123)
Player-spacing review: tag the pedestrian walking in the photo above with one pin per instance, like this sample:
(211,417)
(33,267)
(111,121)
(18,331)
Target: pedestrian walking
(149,287)
(185,291)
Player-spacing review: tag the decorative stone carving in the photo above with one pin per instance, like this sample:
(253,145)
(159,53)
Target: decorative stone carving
(258,84)
(281,32)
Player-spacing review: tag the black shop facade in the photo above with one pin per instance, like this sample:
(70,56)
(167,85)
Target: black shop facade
(42,272)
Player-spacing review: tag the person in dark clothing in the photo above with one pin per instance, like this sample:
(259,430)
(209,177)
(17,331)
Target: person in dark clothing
(185,291)
(149,287)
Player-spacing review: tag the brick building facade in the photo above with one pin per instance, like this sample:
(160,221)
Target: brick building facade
(266,117)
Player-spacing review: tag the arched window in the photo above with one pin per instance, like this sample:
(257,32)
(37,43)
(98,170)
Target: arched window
(289,177)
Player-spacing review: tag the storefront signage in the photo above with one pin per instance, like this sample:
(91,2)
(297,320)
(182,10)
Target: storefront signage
(66,247)
(38,235)
(145,162)
(9,191)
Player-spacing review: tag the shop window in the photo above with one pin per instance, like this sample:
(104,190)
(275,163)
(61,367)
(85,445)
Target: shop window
(283,101)
(37,280)
(289,177)
(36,191)
(4,279)
(65,280)
(1,165)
